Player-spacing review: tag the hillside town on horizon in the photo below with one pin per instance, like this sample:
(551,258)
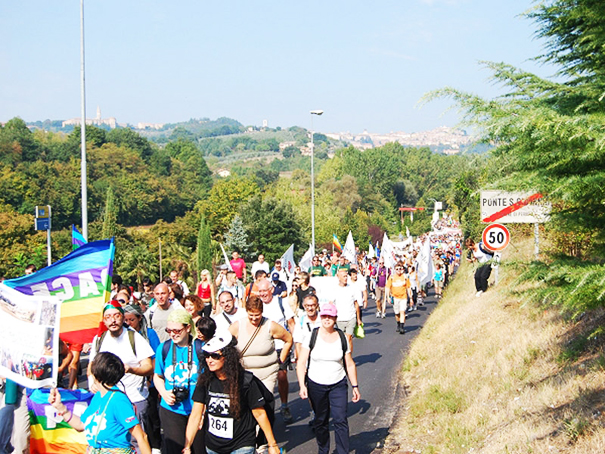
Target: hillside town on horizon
(450,140)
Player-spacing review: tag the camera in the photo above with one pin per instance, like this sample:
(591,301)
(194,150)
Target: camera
(181,393)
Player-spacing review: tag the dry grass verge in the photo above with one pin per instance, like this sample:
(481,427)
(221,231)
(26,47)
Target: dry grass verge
(493,375)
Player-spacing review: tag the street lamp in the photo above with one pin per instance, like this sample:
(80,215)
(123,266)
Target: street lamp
(313,112)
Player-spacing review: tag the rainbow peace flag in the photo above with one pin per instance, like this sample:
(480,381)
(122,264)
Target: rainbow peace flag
(77,239)
(336,243)
(82,279)
(48,435)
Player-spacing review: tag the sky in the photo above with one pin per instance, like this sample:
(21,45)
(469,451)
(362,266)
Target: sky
(365,64)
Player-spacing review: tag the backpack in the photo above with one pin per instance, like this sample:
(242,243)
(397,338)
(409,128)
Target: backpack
(130,338)
(197,343)
(343,342)
(269,406)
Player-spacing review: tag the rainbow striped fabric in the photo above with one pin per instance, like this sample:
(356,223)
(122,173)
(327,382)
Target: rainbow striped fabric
(336,243)
(48,436)
(77,239)
(82,279)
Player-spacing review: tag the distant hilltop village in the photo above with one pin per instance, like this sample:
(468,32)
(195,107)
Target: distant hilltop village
(442,139)
(449,140)
(111,122)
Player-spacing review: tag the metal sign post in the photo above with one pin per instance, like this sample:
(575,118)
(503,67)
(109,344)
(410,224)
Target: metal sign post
(43,222)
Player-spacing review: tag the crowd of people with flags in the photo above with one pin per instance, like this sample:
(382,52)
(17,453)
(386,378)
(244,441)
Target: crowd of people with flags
(198,367)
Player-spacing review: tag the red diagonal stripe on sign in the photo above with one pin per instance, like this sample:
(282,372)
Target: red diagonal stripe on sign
(512,208)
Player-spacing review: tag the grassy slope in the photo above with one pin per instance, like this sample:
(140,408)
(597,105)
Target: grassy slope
(493,375)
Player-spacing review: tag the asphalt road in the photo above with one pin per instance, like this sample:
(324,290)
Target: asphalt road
(378,358)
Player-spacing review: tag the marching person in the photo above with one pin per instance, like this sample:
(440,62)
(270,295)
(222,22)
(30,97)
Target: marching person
(324,363)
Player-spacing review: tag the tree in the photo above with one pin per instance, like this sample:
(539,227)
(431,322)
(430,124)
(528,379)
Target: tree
(204,247)
(271,226)
(236,239)
(111,215)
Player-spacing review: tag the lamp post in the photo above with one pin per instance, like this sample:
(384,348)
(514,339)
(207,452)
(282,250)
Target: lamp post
(83,128)
(313,112)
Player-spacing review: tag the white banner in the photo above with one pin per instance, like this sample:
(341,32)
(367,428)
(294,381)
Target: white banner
(326,287)
(371,252)
(387,253)
(29,337)
(425,263)
(287,260)
(306,261)
(349,249)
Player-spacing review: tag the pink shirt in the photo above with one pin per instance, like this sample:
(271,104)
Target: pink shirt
(238,266)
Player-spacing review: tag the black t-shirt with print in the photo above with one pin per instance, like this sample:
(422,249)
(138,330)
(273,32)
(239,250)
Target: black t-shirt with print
(223,432)
(302,294)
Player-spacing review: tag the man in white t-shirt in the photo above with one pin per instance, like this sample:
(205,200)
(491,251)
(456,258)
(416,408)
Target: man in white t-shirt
(345,300)
(360,285)
(230,312)
(278,310)
(260,264)
(232,285)
(132,349)
(307,322)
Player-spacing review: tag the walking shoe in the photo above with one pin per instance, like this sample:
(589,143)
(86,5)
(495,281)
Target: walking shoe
(377,314)
(402,329)
(384,315)
(398,327)
(287,415)
(479,293)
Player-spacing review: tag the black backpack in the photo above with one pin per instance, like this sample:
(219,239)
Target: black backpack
(343,342)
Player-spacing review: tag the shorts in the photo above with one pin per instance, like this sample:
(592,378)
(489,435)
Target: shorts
(399,304)
(285,364)
(347,326)
(75,347)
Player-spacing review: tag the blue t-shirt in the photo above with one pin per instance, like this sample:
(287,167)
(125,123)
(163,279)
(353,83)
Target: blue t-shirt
(178,374)
(438,275)
(108,419)
(153,338)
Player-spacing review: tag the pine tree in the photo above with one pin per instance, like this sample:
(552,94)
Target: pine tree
(236,239)
(204,244)
(111,215)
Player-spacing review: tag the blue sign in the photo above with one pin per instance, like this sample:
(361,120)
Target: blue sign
(42,223)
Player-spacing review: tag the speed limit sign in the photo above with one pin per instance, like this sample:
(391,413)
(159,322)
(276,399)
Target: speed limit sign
(496,237)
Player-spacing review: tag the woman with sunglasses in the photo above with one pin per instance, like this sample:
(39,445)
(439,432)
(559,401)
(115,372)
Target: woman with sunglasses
(229,401)
(177,368)
(109,422)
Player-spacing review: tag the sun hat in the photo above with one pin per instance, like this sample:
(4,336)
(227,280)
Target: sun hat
(218,342)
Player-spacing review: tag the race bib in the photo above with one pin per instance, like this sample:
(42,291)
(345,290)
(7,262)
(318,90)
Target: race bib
(220,427)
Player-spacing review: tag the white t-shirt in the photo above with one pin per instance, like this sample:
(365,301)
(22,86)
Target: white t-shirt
(184,286)
(259,266)
(135,386)
(222,325)
(304,327)
(325,362)
(273,312)
(344,299)
(158,318)
(360,286)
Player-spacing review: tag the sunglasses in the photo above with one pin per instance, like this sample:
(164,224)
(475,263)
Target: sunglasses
(122,301)
(175,331)
(215,355)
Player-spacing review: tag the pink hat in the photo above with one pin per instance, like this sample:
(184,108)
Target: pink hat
(328,309)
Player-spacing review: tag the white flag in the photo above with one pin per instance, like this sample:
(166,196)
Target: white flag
(349,250)
(371,252)
(287,260)
(226,258)
(407,232)
(387,253)
(305,262)
(425,263)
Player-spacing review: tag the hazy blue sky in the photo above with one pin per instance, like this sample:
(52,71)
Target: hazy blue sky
(366,64)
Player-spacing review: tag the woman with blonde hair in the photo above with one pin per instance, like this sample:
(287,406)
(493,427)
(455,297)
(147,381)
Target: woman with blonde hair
(205,290)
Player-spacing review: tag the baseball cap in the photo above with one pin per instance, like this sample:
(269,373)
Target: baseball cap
(275,276)
(218,342)
(223,267)
(328,309)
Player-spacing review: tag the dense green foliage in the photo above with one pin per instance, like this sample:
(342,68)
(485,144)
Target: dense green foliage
(550,137)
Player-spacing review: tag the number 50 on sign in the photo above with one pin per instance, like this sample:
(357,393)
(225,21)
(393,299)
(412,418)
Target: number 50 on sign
(496,237)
